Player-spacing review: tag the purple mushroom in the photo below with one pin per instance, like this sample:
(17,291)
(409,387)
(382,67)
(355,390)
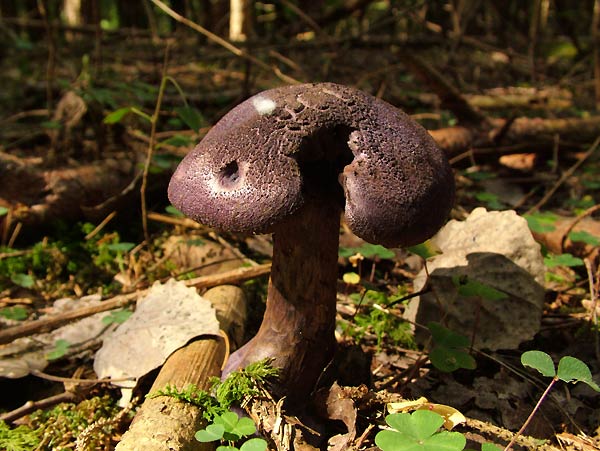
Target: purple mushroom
(289,161)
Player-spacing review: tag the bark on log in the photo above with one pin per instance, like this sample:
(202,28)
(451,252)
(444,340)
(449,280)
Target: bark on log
(455,140)
(37,195)
(164,423)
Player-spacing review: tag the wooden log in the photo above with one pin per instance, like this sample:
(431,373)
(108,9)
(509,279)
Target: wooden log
(164,423)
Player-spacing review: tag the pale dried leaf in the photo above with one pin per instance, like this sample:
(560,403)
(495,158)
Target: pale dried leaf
(168,317)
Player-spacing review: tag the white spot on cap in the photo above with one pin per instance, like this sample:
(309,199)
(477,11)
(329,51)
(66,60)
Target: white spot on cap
(263,105)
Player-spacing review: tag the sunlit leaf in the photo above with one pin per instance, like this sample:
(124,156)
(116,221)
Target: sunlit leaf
(569,260)
(574,370)
(540,361)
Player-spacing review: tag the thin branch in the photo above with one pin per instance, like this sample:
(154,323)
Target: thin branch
(568,173)
(42,325)
(224,43)
(151,144)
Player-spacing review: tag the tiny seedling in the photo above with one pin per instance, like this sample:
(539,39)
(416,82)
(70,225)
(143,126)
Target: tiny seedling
(368,250)
(418,431)
(16,313)
(570,370)
(552,261)
(23,280)
(541,222)
(230,428)
(117,317)
(61,347)
(450,350)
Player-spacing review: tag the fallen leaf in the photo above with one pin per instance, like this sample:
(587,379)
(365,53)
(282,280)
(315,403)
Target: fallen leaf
(168,317)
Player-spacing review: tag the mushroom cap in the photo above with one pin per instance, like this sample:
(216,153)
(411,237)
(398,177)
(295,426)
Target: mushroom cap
(286,146)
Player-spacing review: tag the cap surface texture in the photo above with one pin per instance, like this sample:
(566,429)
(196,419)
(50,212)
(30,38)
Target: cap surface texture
(287,146)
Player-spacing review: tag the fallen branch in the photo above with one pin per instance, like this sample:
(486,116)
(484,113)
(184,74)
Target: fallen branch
(164,422)
(122,300)
(458,139)
(222,42)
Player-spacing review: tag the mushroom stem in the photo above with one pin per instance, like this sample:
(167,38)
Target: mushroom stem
(297,331)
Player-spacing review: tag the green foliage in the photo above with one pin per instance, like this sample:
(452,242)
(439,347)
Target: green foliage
(119,114)
(368,251)
(177,141)
(425,250)
(229,427)
(117,317)
(174,211)
(243,383)
(492,201)
(570,369)
(472,288)
(16,313)
(238,386)
(479,175)
(541,222)
(552,261)
(584,237)
(378,321)
(62,424)
(23,280)
(20,438)
(450,350)
(61,347)
(418,431)
(191,117)
(66,260)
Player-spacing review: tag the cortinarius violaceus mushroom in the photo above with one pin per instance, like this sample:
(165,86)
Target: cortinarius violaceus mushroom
(289,161)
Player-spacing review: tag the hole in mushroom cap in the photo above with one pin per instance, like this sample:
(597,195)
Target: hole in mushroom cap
(322,158)
(230,176)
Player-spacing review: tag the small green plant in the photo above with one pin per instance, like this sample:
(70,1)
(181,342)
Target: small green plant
(16,313)
(61,347)
(418,431)
(584,237)
(470,287)
(376,319)
(367,250)
(492,201)
(237,386)
(20,438)
(230,428)
(541,222)
(570,370)
(117,317)
(23,280)
(450,350)
(552,261)
(225,425)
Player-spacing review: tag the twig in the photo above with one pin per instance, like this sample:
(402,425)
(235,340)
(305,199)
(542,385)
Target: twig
(51,63)
(100,226)
(533,412)
(151,143)
(222,42)
(32,406)
(594,299)
(15,234)
(14,254)
(576,221)
(42,325)
(568,173)
(183,222)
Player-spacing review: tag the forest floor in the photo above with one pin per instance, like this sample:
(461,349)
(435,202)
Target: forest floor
(72,228)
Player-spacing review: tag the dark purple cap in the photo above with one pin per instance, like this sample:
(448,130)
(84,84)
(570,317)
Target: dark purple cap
(283,147)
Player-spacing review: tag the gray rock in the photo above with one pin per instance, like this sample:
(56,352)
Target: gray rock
(495,249)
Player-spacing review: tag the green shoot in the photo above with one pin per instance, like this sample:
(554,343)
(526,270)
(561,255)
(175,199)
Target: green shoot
(570,370)
(418,431)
